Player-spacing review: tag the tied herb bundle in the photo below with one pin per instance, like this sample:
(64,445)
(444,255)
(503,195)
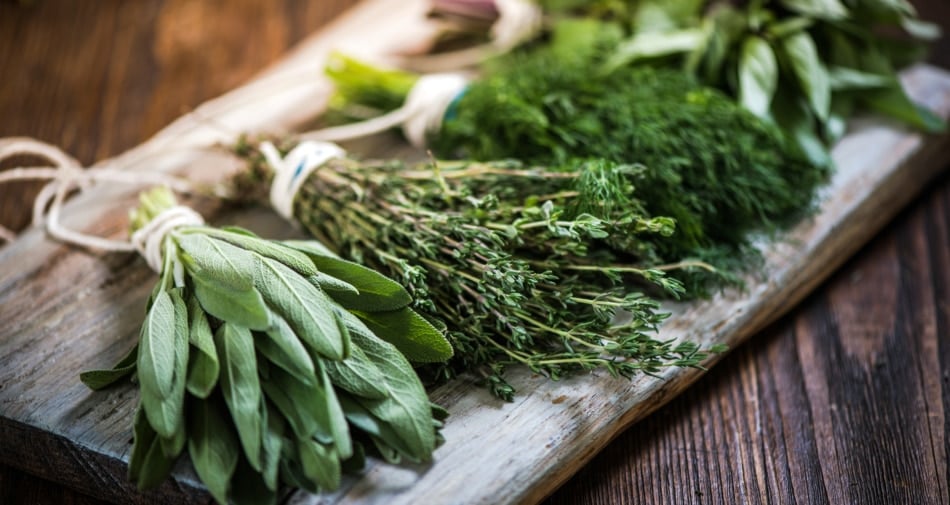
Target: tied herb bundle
(524,265)
(807,66)
(717,170)
(264,360)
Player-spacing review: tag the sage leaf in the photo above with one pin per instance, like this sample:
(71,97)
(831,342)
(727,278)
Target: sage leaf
(303,405)
(802,57)
(364,420)
(282,347)
(148,465)
(203,364)
(375,291)
(758,76)
(241,387)
(406,408)
(249,488)
(306,308)
(357,374)
(331,285)
(100,379)
(172,446)
(289,256)
(320,464)
(291,471)
(271,444)
(244,306)
(219,263)
(212,446)
(339,430)
(162,362)
(415,337)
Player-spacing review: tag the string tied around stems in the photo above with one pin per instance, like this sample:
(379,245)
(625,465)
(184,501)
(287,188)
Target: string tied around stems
(66,175)
(421,114)
(292,170)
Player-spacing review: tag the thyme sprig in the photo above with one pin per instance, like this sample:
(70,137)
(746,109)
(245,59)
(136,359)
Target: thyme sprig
(515,260)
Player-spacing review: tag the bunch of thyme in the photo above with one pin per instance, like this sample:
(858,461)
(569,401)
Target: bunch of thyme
(515,261)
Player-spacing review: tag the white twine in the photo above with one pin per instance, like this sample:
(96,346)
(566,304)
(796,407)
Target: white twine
(149,239)
(420,115)
(518,21)
(291,171)
(65,175)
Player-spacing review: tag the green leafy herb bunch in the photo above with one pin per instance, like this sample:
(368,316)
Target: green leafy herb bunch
(257,358)
(717,170)
(515,260)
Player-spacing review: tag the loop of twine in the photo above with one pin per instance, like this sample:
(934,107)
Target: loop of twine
(148,240)
(420,115)
(64,176)
(518,21)
(291,171)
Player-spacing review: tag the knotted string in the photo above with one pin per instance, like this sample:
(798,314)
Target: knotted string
(420,115)
(291,171)
(148,240)
(66,175)
(517,22)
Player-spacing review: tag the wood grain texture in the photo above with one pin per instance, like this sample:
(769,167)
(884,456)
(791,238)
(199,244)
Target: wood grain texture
(796,472)
(845,400)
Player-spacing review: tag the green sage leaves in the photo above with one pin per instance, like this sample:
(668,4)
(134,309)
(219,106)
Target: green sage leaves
(249,358)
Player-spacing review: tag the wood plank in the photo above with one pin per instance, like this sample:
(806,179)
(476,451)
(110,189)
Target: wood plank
(844,401)
(75,319)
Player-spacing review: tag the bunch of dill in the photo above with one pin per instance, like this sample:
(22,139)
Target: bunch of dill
(720,172)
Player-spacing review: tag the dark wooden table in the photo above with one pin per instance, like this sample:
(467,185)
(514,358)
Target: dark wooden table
(845,400)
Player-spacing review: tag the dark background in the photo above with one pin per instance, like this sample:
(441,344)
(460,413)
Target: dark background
(844,400)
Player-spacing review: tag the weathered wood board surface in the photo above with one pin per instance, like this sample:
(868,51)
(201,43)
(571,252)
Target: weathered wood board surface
(63,310)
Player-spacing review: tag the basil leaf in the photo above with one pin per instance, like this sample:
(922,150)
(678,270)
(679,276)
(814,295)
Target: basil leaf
(148,466)
(894,102)
(843,78)
(415,337)
(244,306)
(646,45)
(203,364)
(758,76)
(320,464)
(823,9)
(797,122)
(289,256)
(162,362)
(282,347)
(100,379)
(212,446)
(306,308)
(802,57)
(357,375)
(240,386)
(376,292)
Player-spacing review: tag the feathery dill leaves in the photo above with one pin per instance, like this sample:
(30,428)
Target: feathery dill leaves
(715,169)
(511,258)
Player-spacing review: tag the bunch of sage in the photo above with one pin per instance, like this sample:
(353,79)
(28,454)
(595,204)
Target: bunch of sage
(269,362)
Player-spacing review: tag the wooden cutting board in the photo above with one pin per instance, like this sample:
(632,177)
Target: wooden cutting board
(63,310)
